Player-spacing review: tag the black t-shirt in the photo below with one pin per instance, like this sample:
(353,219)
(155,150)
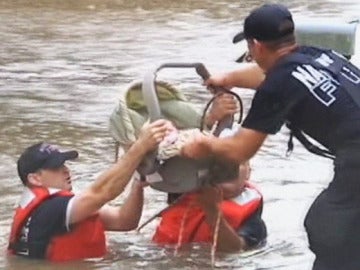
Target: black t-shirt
(48,220)
(309,98)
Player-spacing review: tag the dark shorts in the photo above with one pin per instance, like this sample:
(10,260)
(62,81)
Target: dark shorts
(333,223)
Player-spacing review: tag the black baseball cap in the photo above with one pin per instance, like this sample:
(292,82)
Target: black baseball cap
(42,156)
(266,23)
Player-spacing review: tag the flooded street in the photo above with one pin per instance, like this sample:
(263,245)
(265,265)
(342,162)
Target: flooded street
(62,64)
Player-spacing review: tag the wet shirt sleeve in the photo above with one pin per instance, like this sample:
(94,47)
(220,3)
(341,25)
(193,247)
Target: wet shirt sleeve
(272,103)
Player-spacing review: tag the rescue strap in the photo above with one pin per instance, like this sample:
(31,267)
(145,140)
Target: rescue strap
(298,134)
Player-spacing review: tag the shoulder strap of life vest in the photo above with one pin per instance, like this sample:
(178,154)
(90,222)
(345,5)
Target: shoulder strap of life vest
(312,148)
(30,200)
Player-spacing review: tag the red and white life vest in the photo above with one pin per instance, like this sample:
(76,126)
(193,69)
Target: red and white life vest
(195,229)
(85,240)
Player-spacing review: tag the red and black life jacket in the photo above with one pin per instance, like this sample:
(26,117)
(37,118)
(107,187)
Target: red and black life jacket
(195,229)
(85,240)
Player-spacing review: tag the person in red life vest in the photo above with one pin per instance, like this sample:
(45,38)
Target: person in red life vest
(239,205)
(52,223)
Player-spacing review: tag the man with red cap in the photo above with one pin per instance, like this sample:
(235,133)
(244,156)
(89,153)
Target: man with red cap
(315,92)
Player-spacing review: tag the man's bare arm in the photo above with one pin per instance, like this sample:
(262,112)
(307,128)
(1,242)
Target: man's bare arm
(237,148)
(113,181)
(125,217)
(248,75)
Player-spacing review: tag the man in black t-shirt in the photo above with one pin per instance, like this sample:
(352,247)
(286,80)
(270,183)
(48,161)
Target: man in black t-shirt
(52,223)
(316,92)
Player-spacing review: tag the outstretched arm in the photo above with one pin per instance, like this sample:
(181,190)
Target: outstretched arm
(113,181)
(125,217)
(248,75)
(238,148)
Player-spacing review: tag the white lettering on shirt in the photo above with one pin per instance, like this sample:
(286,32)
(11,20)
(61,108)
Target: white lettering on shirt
(320,84)
(351,76)
(324,60)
